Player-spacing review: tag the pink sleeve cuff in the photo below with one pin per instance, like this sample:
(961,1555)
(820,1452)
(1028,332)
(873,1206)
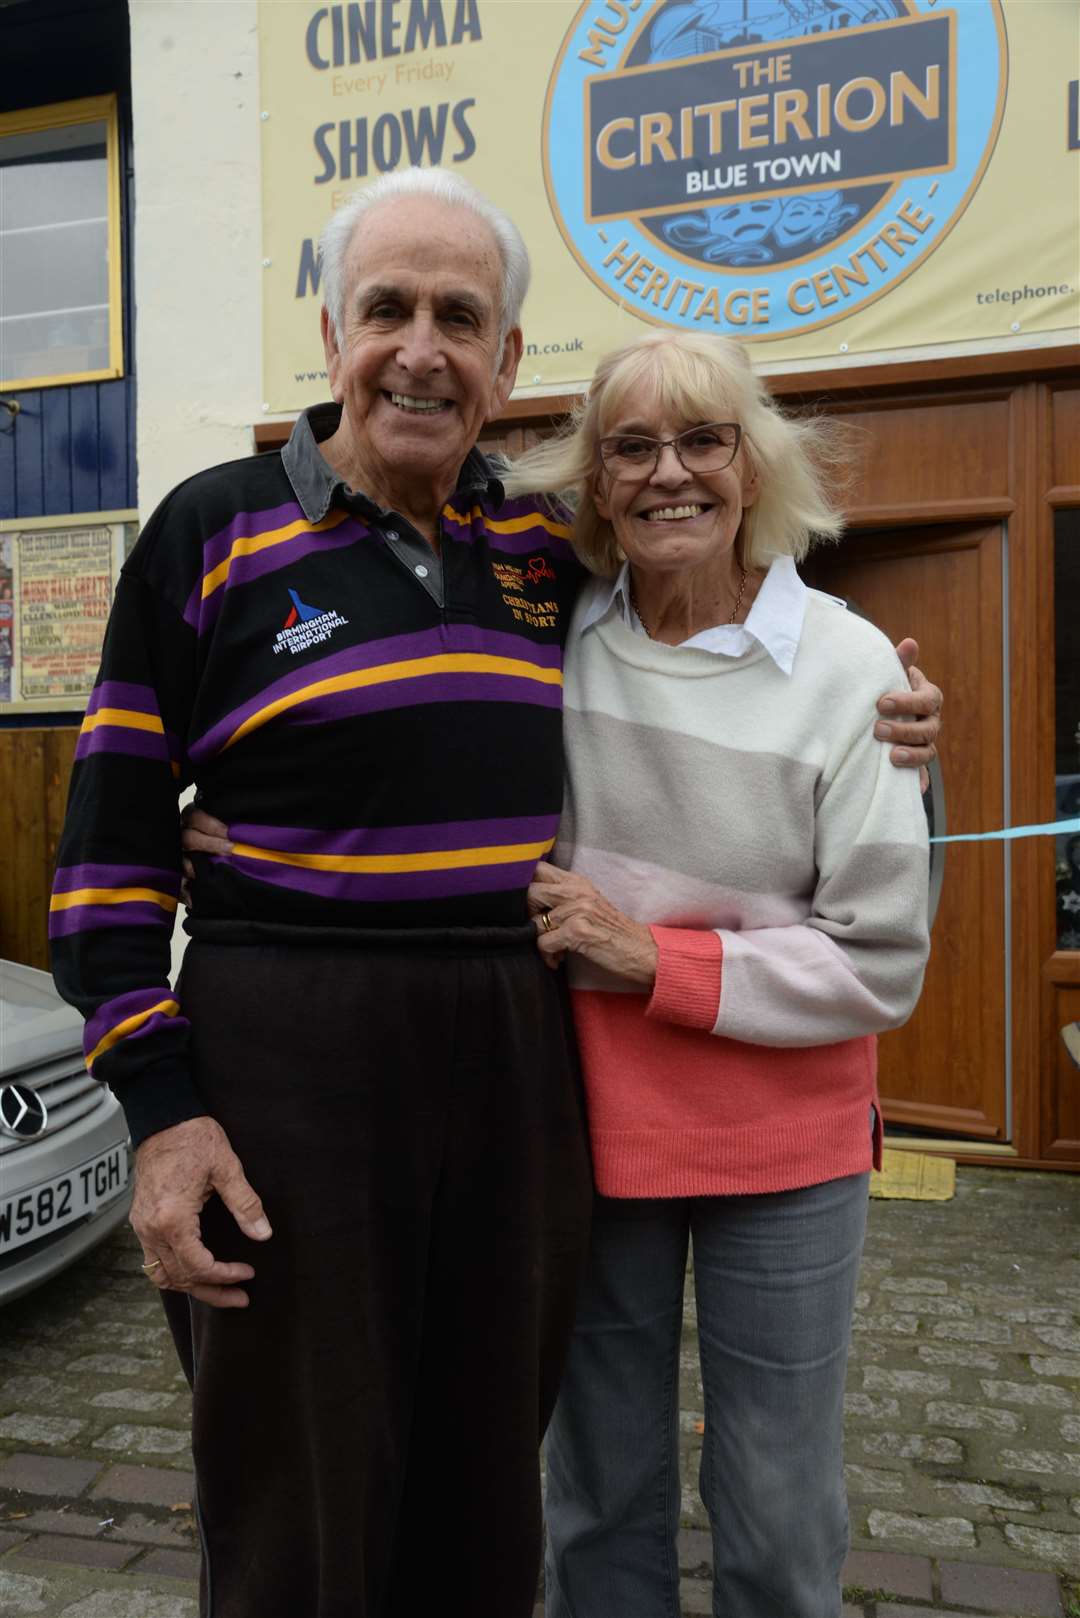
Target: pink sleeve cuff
(687,988)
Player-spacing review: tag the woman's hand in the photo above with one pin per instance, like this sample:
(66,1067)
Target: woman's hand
(911,719)
(200,833)
(573,918)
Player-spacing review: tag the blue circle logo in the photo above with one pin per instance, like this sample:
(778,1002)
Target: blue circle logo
(766,167)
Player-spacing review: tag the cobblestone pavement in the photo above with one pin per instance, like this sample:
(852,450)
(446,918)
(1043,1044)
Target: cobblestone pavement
(963,1426)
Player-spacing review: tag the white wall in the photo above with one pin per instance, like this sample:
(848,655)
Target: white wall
(198,258)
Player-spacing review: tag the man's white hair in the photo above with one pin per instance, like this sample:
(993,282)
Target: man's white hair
(446,187)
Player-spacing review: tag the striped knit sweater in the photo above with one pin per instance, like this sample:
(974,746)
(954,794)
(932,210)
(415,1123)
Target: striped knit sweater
(781,861)
(386,754)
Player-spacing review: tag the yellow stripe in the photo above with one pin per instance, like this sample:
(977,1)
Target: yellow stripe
(128,717)
(441,663)
(168,1008)
(510,525)
(444,859)
(249,544)
(111,896)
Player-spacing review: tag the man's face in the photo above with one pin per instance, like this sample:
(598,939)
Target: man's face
(419,367)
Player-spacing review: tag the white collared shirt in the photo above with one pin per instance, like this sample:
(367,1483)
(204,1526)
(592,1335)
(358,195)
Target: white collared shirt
(774,622)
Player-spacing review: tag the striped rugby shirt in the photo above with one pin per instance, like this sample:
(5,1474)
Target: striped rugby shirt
(380,727)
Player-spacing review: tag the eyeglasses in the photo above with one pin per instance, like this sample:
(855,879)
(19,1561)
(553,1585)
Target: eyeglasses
(709,448)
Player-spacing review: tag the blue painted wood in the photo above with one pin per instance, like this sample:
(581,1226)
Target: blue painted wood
(70,449)
(29,475)
(56,448)
(85,450)
(112,446)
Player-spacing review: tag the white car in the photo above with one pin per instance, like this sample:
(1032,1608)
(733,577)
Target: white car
(65,1159)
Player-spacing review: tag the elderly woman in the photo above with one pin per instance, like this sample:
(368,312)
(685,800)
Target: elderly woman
(740,886)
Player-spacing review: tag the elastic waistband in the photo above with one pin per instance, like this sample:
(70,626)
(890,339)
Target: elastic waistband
(518,940)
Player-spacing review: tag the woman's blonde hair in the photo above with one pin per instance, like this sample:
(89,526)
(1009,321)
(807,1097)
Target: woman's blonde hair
(800,461)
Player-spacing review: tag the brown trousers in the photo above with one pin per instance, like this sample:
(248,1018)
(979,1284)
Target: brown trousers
(366,1431)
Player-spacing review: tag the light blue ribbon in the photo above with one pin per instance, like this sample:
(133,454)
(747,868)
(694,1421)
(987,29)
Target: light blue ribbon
(1049,828)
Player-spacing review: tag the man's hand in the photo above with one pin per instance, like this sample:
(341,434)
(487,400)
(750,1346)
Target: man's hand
(572,915)
(200,833)
(176,1172)
(912,719)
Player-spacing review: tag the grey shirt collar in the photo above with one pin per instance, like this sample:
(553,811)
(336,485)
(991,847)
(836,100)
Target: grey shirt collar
(316,485)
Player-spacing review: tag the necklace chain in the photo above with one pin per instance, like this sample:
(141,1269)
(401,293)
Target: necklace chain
(734,611)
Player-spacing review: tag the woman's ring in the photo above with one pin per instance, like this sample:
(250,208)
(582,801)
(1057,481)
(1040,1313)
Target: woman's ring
(545,920)
(156,1265)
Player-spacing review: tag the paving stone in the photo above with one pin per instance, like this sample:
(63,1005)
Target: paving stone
(146,1485)
(1039,1460)
(38,1390)
(98,1553)
(984,1494)
(695,1549)
(975,1359)
(981,1418)
(115,1603)
(889,1571)
(1001,1589)
(904,1381)
(1062,1337)
(111,1365)
(939,1533)
(20,1592)
(941,1308)
(1070,1429)
(9,1540)
(33,1429)
(171,1564)
(140,1399)
(1055,1364)
(1060,1550)
(873,1480)
(133,1440)
(695,1596)
(63,1522)
(914,1283)
(861,1404)
(47,1474)
(897,1325)
(1047,1394)
(975,1331)
(912,1447)
(904,1611)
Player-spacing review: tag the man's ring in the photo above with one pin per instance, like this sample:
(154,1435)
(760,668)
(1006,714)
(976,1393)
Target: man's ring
(545,920)
(156,1265)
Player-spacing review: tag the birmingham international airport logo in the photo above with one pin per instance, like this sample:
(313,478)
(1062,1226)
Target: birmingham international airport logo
(766,167)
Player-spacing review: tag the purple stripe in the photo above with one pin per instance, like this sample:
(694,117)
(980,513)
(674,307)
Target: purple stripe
(243,525)
(424,689)
(96,918)
(373,654)
(71,877)
(121,694)
(399,839)
(202,614)
(153,1025)
(106,1017)
(123,739)
(525,544)
(381,886)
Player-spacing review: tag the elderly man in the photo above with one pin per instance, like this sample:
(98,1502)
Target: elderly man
(354,648)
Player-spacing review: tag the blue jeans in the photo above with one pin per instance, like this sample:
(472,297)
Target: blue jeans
(775,1278)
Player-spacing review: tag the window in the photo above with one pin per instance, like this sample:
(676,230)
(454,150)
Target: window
(1067,720)
(60,316)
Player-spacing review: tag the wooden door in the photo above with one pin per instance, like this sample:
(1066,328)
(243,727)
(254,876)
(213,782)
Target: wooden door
(946,1069)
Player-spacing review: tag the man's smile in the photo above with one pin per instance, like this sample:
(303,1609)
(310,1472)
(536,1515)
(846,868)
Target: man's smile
(419,407)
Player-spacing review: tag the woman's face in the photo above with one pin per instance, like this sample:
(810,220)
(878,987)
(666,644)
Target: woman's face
(674,520)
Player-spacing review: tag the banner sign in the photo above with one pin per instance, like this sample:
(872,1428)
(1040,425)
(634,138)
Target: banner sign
(823,179)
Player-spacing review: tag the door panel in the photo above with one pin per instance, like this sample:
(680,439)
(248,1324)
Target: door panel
(945,1070)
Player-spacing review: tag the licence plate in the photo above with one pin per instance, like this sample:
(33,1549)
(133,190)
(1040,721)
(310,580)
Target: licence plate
(46,1207)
